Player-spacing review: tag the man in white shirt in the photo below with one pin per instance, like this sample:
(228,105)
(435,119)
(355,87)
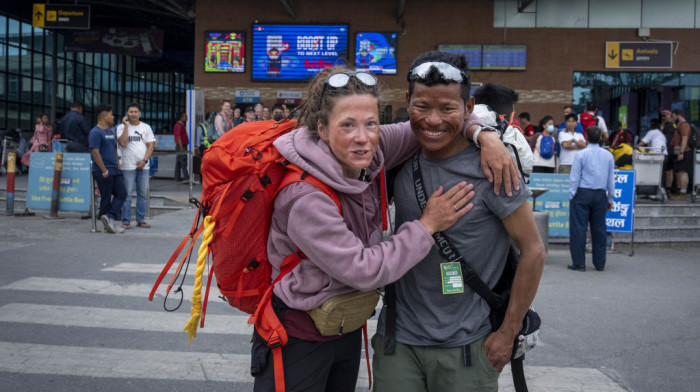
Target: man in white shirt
(655,139)
(571,141)
(135,148)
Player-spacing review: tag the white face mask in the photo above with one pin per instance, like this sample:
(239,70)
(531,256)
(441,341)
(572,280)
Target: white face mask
(550,128)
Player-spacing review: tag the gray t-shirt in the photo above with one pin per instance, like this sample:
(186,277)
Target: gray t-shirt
(426,316)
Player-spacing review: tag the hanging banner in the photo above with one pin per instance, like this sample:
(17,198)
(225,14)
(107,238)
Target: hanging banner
(75,181)
(620,219)
(125,41)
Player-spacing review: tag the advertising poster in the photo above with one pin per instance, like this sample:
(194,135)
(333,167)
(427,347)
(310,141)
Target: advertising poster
(555,201)
(75,181)
(296,52)
(376,52)
(621,218)
(224,51)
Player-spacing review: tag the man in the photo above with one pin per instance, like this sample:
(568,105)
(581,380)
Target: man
(135,148)
(105,168)
(668,130)
(683,163)
(249,114)
(568,109)
(570,141)
(655,139)
(277,112)
(258,112)
(221,120)
(76,129)
(526,125)
(591,117)
(181,144)
(434,330)
(591,191)
(266,115)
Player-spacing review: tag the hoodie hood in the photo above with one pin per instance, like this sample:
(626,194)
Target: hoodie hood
(315,157)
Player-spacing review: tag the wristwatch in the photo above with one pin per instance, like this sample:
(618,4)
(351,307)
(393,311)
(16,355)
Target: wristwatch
(475,136)
(145,160)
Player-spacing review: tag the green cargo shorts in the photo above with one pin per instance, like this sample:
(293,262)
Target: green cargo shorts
(431,369)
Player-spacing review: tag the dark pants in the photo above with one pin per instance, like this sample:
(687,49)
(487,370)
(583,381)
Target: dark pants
(588,206)
(112,192)
(310,366)
(181,167)
(73,146)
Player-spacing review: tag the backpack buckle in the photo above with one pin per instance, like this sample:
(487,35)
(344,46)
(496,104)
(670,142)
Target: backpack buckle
(247,195)
(274,341)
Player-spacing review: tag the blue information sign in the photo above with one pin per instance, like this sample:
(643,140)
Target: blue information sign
(555,201)
(75,182)
(621,218)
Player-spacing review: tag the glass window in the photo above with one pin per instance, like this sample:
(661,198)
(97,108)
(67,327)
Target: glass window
(38,39)
(48,67)
(12,88)
(3,89)
(48,41)
(12,115)
(38,65)
(3,115)
(61,69)
(26,63)
(38,91)
(3,57)
(3,27)
(13,33)
(27,31)
(48,93)
(70,77)
(26,90)
(59,45)
(26,118)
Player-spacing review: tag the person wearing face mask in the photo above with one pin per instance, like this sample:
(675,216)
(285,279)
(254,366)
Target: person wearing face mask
(277,112)
(544,159)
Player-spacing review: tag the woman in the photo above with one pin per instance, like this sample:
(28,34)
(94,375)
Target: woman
(544,164)
(41,141)
(341,145)
(237,116)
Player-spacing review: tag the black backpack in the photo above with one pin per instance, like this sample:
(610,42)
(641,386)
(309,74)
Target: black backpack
(693,137)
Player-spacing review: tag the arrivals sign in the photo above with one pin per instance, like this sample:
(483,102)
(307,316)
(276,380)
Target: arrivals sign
(61,16)
(638,54)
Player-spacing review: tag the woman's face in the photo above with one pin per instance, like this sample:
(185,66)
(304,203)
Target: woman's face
(236,112)
(45,120)
(352,132)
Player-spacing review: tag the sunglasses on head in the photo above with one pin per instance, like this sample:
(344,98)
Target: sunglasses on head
(447,71)
(341,79)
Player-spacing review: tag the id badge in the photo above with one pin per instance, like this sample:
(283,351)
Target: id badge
(452,282)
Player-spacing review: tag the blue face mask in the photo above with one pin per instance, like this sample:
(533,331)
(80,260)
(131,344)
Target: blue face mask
(550,128)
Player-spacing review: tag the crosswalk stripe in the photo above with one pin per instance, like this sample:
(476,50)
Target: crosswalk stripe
(140,320)
(132,364)
(142,268)
(197,366)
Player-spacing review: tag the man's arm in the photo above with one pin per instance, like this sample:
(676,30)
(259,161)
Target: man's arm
(575,176)
(522,228)
(497,163)
(219,124)
(97,158)
(123,138)
(684,141)
(149,151)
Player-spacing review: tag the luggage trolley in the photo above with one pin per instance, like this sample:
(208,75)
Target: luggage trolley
(696,175)
(649,168)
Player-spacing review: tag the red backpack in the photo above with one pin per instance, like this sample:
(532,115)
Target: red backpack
(587,119)
(242,172)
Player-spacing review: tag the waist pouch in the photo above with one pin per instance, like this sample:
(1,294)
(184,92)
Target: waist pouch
(344,313)
(529,333)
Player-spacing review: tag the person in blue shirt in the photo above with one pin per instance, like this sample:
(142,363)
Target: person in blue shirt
(105,168)
(591,191)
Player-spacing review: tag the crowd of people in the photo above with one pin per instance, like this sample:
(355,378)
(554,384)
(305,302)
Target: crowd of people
(554,147)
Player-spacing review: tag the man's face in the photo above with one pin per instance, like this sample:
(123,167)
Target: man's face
(108,118)
(258,111)
(666,117)
(225,107)
(277,114)
(571,124)
(250,116)
(567,111)
(134,114)
(437,116)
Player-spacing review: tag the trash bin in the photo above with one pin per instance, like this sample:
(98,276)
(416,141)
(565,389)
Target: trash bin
(153,166)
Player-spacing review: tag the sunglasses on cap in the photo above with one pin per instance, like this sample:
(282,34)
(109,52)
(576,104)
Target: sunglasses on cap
(341,79)
(447,71)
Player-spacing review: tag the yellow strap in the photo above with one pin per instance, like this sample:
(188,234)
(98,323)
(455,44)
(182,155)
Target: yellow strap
(196,313)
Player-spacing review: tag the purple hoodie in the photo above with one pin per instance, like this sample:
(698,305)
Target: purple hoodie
(344,253)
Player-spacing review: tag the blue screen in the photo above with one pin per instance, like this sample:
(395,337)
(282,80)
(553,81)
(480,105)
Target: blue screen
(471,52)
(504,57)
(297,52)
(376,52)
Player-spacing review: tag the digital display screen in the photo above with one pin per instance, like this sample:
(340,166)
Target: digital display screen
(224,51)
(296,52)
(376,52)
(504,57)
(471,52)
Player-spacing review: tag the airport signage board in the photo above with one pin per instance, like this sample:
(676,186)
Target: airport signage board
(61,16)
(638,54)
